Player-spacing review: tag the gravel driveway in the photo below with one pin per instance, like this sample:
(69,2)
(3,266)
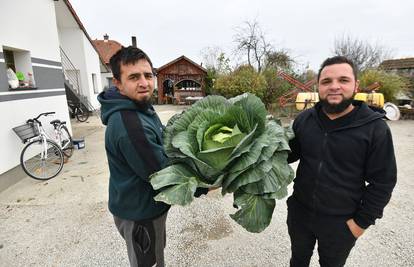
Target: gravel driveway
(65,221)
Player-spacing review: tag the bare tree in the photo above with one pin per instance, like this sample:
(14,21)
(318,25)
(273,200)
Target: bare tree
(251,42)
(215,60)
(363,54)
(209,56)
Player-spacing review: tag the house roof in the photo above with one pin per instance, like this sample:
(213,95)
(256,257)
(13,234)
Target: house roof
(107,48)
(402,63)
(178,59)
(75,16)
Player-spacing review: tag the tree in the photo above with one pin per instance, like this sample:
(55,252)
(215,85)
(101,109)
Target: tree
(363,54)
(243,79)
(251,42)
(260,73)
(279,60)
(215,59)
(216,63)
(210,55)
(209,81)
(276,87)
(223,64)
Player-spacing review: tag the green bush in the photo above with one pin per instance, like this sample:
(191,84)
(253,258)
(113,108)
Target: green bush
(244,79)
(391,84)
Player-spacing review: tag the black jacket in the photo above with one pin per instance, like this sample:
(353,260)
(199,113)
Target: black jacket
(349,171)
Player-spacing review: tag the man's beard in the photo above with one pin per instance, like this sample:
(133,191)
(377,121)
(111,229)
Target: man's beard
(335,108)
(144,102)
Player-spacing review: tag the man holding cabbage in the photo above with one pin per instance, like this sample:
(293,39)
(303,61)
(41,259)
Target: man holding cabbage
(134,147)
(346,173)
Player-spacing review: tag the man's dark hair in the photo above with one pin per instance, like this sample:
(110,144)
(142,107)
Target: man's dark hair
(338,60)
(125,56)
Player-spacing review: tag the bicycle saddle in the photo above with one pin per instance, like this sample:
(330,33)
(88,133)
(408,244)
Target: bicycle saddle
(57,122)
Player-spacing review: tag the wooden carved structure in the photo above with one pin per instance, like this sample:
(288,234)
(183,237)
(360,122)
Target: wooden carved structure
(180,81)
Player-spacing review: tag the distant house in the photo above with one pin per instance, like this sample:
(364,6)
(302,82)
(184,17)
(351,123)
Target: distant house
(179,80)
(403,67)
(107,48)
(46,40)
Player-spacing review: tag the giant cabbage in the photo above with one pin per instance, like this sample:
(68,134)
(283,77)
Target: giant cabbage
(227,143)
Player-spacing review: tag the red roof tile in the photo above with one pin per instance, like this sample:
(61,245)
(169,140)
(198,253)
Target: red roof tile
(107,48)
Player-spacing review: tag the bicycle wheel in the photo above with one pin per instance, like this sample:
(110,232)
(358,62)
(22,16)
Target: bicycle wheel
(40,160)
(81,114)
(66,142)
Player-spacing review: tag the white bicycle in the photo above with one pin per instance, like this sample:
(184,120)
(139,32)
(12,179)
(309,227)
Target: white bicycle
(43,157)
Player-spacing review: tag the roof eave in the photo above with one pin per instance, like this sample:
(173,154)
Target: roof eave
(178,59)
(75,16)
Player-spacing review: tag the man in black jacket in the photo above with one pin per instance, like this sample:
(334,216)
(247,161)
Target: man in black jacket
(346,173)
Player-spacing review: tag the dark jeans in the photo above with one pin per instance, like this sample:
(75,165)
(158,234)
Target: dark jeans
(335,240)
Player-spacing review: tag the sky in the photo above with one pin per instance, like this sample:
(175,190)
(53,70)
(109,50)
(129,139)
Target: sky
(307,29)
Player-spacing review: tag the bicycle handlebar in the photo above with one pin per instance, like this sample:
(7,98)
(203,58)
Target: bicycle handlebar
(41,114)
(45,114)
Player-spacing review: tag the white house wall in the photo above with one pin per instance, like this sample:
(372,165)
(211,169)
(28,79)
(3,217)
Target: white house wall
(92,66)
(15,113)
(30,25)
(80,51)
(35,33)
(71,41)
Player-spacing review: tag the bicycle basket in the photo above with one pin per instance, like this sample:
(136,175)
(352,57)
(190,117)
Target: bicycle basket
(26,131)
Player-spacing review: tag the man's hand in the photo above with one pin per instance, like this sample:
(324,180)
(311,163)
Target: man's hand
(354,228)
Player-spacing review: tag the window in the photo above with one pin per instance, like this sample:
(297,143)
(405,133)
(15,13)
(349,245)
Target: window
(9,59)
(110,84)
(20,62)
(94,83)
(189,85)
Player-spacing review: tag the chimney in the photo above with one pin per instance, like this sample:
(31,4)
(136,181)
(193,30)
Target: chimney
(106,37)
(134,41)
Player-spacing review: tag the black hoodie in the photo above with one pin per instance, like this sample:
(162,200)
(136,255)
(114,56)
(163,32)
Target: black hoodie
(347,171)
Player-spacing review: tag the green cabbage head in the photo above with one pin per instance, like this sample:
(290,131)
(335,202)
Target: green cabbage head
(227,143)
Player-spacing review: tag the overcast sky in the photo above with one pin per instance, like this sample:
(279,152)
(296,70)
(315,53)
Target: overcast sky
(307,29)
